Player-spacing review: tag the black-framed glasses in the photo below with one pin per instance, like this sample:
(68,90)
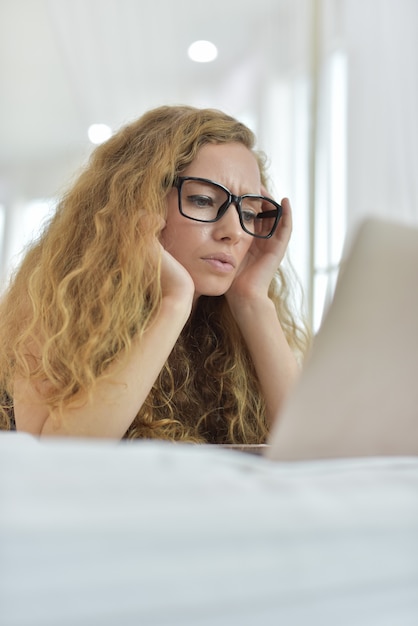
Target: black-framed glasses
(203,200)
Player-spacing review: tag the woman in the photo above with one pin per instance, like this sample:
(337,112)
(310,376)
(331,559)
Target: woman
(152,306)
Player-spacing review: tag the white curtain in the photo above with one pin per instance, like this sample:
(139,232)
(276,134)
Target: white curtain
(349,88)
(376,45)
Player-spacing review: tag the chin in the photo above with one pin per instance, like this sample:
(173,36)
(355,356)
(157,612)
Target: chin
(211,293)
(212,288)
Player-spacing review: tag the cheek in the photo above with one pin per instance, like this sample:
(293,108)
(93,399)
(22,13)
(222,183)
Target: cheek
(168,234)
(164,238)
(179,240)
(171,232)
(184,235)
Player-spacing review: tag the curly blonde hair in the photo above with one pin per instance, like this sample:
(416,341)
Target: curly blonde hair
(91,283)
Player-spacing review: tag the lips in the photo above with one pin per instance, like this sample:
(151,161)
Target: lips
(221,261)
(222,258)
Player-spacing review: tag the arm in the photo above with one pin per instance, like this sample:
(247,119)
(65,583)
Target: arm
(117,399)
(255,314)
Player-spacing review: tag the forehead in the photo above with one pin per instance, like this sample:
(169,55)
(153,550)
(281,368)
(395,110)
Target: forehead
(231,164)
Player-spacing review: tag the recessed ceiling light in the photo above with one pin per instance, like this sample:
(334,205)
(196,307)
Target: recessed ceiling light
(99,133)
(202,51)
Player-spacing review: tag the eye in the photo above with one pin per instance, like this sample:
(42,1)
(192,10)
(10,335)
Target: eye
(248,215)
(250,208)
(200,201)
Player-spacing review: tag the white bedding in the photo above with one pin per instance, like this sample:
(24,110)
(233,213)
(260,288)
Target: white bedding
(149,533)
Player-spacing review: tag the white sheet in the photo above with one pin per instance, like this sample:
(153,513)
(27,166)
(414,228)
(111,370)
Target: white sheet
(149,533)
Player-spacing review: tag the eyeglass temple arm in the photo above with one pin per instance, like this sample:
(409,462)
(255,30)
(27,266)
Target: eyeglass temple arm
(268,214)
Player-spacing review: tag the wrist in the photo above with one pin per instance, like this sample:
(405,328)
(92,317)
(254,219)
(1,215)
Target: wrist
(178,303)
(252,307)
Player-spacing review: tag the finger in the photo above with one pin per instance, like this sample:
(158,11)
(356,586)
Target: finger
(286,219)
(284,227)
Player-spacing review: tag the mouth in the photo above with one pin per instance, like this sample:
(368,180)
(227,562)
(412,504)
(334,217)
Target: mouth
(221,262)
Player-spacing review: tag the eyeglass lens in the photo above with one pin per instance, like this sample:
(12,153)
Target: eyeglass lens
(203,201)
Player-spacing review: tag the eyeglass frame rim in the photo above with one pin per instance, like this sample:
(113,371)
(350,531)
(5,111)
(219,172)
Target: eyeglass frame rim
(232,199)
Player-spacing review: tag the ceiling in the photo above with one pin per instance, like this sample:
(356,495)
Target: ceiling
(65,64)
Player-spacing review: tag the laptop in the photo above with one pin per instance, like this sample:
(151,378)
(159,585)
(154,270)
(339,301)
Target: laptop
(358,392)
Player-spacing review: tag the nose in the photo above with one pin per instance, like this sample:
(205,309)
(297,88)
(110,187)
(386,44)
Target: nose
(229,226)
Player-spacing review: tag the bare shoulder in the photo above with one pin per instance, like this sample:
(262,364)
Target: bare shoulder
(30,409)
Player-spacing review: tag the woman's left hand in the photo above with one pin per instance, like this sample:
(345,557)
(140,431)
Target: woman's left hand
(263,258)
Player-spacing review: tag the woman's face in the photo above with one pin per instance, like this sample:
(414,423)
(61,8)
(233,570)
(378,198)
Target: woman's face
(213,252)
